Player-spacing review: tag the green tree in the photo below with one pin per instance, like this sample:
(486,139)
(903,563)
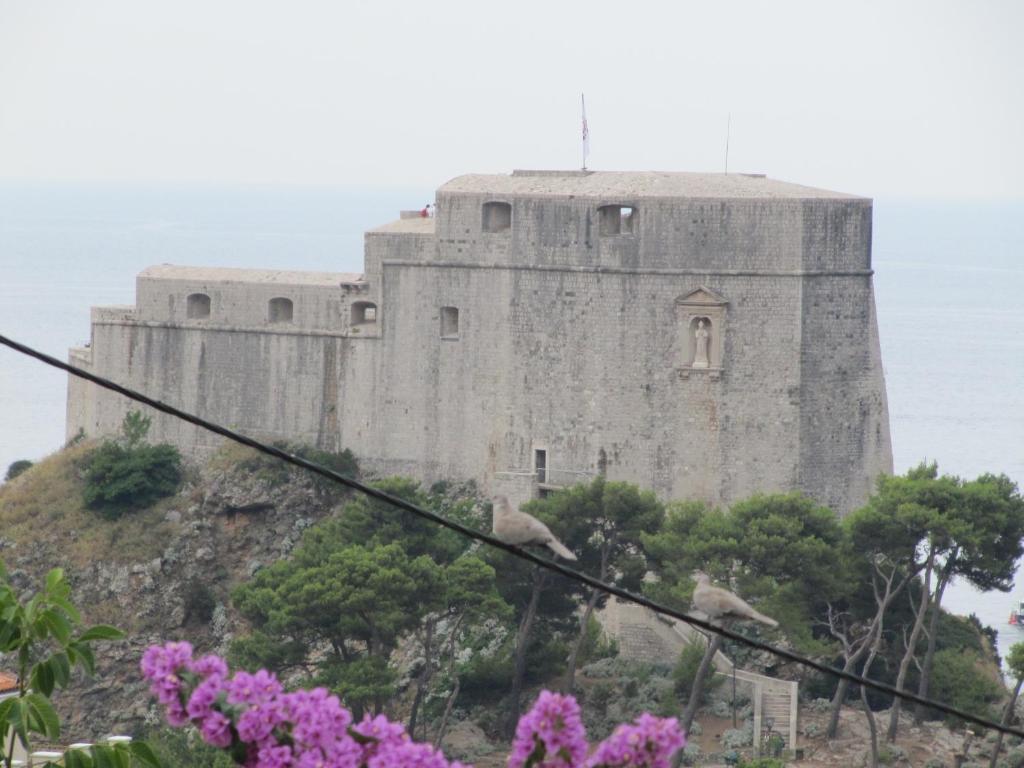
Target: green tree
(470,599)
(985,534)
(16,468)
(544,603)
(357,601)
(949,528)
(42,641)
(357,584)
(134,428)
(617,514)
(878,561)
(1015,663)
(776,550)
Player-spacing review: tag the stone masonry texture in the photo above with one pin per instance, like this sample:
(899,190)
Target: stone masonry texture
(571,338)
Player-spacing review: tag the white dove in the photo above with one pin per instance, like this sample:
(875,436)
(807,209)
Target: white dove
(720,603)
(521,529)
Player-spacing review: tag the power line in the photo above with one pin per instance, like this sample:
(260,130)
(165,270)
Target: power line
(490,540)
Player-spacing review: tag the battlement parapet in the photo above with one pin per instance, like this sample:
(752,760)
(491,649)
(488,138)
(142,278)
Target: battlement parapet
(243,299)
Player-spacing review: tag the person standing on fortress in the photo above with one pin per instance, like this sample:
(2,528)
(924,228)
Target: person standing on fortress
(426,211)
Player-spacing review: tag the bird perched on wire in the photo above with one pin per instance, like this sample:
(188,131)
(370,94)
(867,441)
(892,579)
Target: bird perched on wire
(521,529)
(720,603)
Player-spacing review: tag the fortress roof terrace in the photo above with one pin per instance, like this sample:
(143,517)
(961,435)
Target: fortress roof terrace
(636,185)
(232,275)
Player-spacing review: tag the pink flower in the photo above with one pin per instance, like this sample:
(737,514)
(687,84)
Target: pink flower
(216,730)
(551,733)
(204,696)
(649,743)
(274,757)
(252,689)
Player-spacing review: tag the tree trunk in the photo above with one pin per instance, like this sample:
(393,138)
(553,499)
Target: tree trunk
(587,613)
(424,677)
(874,630)
(447,712)
(933,632)
(876,645)
(911,649)
(698,683)
(456,685)
(1007,717)
(872,727)
(522,645)
(840,696)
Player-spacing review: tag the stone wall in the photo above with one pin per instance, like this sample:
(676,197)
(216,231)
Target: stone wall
(568,341)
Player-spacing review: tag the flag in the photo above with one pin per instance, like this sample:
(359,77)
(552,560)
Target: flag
(586,132)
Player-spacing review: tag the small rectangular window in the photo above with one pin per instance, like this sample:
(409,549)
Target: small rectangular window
(540,465)
(497,217)
(616,219)
(449,322)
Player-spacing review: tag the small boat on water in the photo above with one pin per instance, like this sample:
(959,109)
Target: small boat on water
(1017,615)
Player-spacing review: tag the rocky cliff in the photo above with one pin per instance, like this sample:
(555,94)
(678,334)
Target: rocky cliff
(159,574)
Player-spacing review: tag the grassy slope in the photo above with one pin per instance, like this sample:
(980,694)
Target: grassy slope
(44,504)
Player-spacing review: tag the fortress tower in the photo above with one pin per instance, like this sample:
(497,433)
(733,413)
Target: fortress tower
(704,335)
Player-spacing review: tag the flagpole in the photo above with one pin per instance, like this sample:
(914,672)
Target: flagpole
(728,125)
(586,131)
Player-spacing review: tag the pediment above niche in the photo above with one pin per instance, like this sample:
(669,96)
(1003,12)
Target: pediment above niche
(702,297)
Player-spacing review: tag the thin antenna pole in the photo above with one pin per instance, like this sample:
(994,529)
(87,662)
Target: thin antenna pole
(586,132)
(728,126)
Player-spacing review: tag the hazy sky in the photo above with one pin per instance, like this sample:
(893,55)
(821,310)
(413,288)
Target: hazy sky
(879,98)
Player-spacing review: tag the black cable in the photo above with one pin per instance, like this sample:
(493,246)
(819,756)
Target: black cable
(485,538)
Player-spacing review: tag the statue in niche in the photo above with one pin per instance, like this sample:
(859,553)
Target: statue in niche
(701,341)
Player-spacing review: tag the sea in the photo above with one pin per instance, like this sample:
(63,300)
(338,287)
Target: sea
(949,282)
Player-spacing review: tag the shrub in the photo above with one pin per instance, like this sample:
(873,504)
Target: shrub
(16,469)
(199,602)
(685,672)
(119,479)
(958,681)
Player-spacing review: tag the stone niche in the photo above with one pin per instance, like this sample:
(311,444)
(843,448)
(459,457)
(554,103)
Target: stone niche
(701,317)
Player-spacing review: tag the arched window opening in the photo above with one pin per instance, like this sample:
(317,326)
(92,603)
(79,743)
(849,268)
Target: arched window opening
(449,322)
(197,306)
(616,219)
(281,310)
(364,313)
(497,217)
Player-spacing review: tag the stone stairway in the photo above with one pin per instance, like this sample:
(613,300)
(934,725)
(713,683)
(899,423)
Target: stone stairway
(644,635)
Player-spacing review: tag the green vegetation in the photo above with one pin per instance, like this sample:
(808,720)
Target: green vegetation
(276,473)
(1015,664)
(127,475)
(50,498)
(41,640)
(16,468)
(356,585)
(184,748)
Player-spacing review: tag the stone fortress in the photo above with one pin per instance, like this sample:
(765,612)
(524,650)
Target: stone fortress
(707,336)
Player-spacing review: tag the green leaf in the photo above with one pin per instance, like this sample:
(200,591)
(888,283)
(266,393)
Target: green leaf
(65,605)
(54,578)
(85,659)
(42,678)
(103,757)
(77,758)
(144,754)
(5,712)
(100,632)
(43,709)
(19,721)
(59,626)
(61,667)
